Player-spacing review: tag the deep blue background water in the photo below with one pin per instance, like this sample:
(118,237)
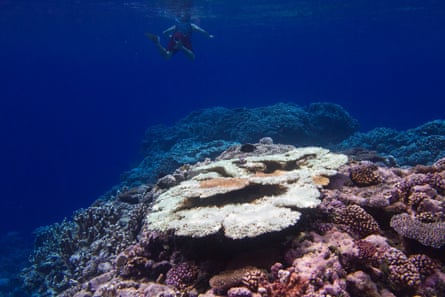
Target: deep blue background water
(79,82)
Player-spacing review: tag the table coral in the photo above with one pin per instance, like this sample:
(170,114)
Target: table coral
(244,199)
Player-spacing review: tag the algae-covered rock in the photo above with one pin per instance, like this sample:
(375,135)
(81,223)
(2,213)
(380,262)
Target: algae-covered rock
(244,197)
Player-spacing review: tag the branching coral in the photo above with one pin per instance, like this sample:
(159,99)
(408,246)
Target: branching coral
(108,251)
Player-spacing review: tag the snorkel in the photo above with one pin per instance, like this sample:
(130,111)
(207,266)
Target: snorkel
(183,17)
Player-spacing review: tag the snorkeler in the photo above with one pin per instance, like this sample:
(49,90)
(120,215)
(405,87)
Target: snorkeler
(180,36)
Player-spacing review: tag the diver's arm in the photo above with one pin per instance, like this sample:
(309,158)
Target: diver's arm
(168,31)
(201,30)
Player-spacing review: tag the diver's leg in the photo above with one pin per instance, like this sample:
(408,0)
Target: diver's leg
(188,52)
(157,41)
(165,53)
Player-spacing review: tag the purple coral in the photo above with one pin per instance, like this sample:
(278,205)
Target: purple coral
(440,164)
(425,265)
(357,219)
(404,187)
(428,234)
(366,249)
(182,275)
(438,181)
(239,292)
(401,271)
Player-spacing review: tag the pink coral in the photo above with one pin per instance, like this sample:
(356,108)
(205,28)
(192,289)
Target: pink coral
(239,292)
(291,286)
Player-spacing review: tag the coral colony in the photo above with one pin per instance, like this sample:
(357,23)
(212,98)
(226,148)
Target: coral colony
(258,220)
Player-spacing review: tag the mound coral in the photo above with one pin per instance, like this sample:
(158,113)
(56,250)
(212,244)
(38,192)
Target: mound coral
(182,275)
(244,199)
(357,219)
(248,276)
(365,174)
(401,272)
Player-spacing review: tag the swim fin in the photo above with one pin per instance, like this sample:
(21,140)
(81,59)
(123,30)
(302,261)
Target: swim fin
(153,37)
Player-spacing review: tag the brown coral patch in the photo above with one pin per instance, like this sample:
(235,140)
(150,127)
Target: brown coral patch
(253,278)
(320,180)
(274,173)
(293,286)
(365,174)
(366,249)
(231,278)
(236,183)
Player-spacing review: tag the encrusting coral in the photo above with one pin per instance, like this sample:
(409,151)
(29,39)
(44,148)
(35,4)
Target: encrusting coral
(429,234)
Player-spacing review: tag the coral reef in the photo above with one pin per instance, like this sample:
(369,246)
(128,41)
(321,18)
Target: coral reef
(421,145)
(364,229)
(206,133)
(74,251)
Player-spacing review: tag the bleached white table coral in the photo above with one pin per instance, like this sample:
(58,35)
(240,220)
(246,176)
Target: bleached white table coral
(245,197)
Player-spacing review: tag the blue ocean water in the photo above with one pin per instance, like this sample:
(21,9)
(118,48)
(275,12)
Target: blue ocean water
(80,82)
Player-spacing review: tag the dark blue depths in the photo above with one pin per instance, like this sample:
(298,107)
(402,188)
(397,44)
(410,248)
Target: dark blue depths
(80,83)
